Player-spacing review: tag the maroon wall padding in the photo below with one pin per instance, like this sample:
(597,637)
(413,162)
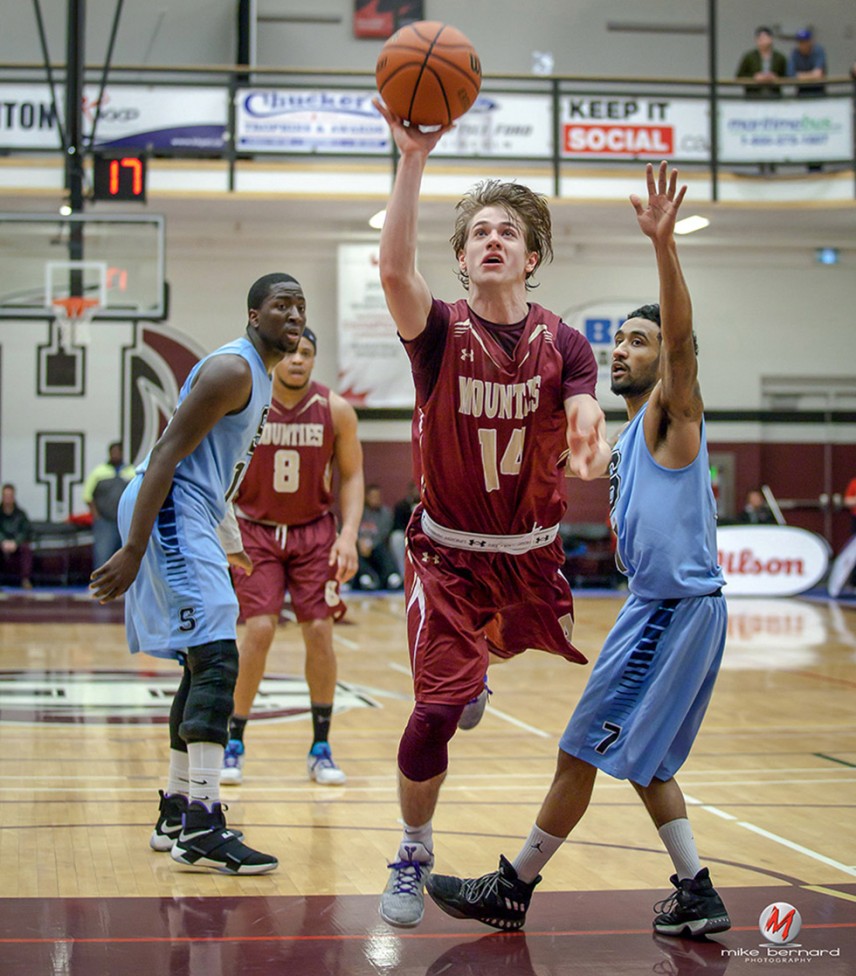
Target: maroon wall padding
(791,470)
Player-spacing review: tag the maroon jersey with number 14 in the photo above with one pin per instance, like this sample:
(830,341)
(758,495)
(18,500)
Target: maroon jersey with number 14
(490,423)
(289,480)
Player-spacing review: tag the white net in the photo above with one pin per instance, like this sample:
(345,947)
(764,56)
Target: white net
(73,317)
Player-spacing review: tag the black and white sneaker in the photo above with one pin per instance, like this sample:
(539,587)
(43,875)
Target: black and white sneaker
(499,899)
(172,808)
(695,908)
(206,842)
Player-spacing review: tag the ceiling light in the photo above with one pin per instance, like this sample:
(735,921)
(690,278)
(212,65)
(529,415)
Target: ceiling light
(376,222)
(690,224)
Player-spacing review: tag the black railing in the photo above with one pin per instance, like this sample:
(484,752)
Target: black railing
(572,100)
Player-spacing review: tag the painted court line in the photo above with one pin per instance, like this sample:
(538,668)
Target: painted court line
(351,645)
(845,895)
(490,711)
(847,869)
(776,838)
(516,721)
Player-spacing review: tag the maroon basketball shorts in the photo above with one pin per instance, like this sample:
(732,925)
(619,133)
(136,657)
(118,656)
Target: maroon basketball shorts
(289,559)
(462,605)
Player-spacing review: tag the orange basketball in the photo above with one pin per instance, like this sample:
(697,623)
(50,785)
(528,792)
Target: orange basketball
(428,73)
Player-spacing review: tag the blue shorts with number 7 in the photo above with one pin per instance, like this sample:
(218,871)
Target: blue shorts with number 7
(183,595)
(650,687)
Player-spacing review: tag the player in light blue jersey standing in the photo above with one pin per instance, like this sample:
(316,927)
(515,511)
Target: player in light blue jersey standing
(179,599)
(651,685)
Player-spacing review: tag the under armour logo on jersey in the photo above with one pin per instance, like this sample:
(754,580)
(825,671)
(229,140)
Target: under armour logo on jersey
(428,557)
(467,354)
(478,542)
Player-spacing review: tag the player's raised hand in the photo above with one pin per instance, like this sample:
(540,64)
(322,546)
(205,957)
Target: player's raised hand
(657,218)
(410,138)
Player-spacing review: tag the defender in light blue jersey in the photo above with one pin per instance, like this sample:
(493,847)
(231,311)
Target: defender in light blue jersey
(179,600)
(649,689)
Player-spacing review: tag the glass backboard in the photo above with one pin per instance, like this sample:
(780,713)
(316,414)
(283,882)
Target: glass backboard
(117,260)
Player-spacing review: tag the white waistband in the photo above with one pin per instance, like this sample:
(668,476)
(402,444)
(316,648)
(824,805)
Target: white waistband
(516,545)
(281,533)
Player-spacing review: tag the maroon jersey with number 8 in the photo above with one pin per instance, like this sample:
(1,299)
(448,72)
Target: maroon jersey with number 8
(289,480)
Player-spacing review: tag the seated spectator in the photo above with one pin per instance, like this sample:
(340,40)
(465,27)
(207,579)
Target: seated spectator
(16,553)
(377,567)
(763,64)
(400,517)
(101,492)
(756,511)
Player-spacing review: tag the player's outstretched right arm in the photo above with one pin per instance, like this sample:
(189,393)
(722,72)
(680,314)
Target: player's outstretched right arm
(406,291)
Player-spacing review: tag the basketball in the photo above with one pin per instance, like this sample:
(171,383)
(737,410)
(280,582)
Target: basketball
(428,73)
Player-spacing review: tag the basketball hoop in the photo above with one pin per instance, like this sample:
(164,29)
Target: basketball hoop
(73,316)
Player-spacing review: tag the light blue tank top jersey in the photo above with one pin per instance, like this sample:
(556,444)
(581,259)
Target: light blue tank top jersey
(664,520)
(213,470)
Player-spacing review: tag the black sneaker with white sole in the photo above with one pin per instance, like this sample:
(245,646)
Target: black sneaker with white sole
(206,842)
(499,899)
(172,808)
(694,909)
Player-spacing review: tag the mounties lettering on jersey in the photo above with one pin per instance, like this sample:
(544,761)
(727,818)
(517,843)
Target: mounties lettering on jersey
(293,435)
(503,401)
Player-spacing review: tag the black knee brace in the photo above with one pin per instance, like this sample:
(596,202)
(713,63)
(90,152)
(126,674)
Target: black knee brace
(423,752)
(213,672)
(176,712)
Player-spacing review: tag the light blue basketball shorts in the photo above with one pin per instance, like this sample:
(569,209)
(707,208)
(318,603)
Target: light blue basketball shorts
(649,689)
(183,595)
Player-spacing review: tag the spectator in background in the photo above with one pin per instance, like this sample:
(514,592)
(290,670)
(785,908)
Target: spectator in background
(807,64)
(756,511)
(16,554)
(101,492)
(763,64)
(377,567)
(400,517)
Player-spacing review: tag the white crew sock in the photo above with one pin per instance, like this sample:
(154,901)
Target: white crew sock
(423,835)
(205,760)
(177,780)
(538,849)
(677,835)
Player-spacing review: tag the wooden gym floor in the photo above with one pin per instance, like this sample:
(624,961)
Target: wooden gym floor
(771,783)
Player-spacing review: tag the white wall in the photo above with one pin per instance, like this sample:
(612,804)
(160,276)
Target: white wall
(757,313)
(505,32)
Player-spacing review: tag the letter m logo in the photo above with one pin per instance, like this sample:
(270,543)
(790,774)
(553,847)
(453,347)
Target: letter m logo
(775,924)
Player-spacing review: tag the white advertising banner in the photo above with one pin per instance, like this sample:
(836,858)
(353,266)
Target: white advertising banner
(296,120)
(503,126)
(131,116)
(623,127)
(374,370)
(770,560)
(774,130)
